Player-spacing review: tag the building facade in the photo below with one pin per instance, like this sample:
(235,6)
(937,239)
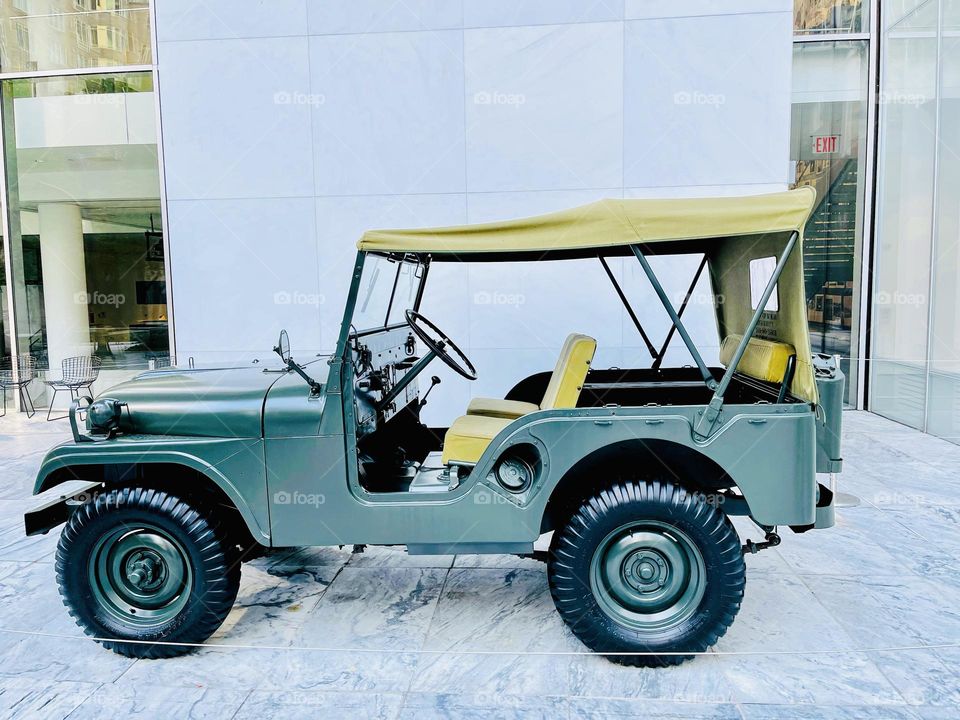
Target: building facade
(183,179)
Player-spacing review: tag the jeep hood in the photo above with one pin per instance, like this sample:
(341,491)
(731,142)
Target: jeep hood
(223,402)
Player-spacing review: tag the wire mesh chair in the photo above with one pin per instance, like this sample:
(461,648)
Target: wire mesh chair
(26,374)
(78,373)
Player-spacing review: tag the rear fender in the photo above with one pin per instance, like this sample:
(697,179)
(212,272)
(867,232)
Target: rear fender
(767,452)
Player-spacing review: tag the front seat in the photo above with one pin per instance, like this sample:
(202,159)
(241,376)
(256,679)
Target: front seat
(562,391)
(470,434)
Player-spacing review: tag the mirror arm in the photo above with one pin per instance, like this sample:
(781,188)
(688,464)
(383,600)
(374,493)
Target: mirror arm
(315,387)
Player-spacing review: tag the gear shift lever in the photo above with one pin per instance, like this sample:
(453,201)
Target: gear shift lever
(434,381)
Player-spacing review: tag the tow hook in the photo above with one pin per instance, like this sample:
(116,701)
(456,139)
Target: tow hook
(771,540)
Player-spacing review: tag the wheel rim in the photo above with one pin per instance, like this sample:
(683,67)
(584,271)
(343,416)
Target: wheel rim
(648,575)
(140,575)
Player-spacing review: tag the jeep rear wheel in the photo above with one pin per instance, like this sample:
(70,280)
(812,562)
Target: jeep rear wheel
(144,566)
(647,567)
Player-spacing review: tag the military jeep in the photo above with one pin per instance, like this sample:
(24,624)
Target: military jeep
(176,477)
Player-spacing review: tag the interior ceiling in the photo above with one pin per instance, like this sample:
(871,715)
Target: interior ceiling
(135,214)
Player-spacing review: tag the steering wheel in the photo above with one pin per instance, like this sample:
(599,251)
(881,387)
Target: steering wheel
(441,345)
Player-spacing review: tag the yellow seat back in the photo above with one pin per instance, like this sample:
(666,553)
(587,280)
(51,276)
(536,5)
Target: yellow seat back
(763,359)
(570,372)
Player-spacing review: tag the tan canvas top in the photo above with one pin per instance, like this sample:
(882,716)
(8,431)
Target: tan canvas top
(608,223)
(729,231)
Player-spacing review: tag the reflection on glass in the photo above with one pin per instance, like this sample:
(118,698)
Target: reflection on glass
(87,246)
(67,34)
(828,142)
(830,16)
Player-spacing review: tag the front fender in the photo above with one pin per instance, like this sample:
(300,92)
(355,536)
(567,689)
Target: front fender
(235,465)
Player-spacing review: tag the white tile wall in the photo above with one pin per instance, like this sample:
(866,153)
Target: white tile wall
(514,13)
(332,17)
(244,269)
(717,113)
(219,19)
(231,120)
(389,113)
(544,107)
(651,9)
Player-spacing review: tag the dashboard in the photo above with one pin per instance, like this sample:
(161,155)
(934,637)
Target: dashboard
(380,359)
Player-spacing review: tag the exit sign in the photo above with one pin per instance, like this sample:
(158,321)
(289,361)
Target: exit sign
(825,144)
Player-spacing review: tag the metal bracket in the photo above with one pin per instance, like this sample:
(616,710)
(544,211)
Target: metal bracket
(771,540)
(709,417)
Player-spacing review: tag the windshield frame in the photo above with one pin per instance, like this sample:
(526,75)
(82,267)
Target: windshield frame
(419,265)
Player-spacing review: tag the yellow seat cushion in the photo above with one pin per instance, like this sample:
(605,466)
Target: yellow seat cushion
(563,390)
(763,359)
(469,436)
(570,372)
(492,407)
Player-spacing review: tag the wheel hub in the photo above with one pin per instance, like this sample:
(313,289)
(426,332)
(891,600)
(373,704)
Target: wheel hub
(645,571)
(145,570)
(140,575)
(648,575)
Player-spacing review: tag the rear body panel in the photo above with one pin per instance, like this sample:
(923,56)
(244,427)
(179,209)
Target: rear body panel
(831,385)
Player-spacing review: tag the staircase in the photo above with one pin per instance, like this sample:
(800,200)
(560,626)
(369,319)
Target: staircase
(830,234)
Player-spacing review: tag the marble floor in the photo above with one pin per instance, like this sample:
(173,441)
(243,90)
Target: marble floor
(834,623)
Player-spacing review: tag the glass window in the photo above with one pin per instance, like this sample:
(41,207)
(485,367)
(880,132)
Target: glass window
(830,16)
(761,270)
(69,34)
(828,146)
(904,221)
(943,391)
(87,252)
(386,287)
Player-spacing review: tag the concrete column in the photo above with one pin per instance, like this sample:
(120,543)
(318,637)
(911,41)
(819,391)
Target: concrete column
(64,282)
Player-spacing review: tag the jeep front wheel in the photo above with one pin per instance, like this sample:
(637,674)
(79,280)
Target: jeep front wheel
(647,568)
(139,567)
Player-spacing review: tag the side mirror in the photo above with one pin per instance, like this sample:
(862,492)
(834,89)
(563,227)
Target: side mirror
(283,347)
